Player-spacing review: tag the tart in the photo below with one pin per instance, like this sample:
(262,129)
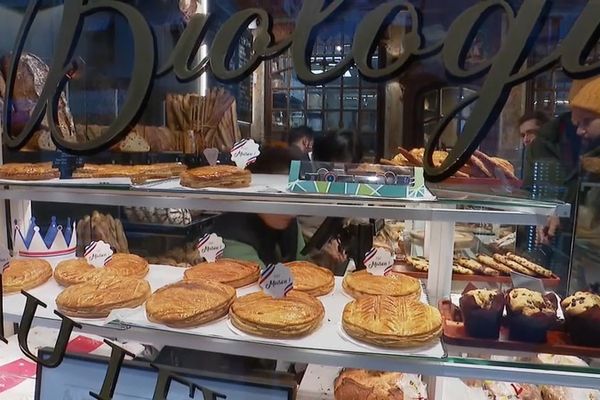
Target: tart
(101,294)
(582,316)
(234,273)
(128,265)
(393,322)
(482,311)
(25,275)
(359,384)
(72,272)
(294,315)
(530,315)
(311,279)
(220,176)
(362,283)
(189,304)
(28,172)
(137,173)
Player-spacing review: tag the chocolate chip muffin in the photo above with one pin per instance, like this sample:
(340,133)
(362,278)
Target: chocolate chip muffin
(530,315)
(482,312)
(582,316)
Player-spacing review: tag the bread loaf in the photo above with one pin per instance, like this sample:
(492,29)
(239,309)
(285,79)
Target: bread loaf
(101,227)
(160,139)
(132,143)
(31,77)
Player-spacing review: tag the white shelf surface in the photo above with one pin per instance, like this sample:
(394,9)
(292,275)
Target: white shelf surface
(324,346)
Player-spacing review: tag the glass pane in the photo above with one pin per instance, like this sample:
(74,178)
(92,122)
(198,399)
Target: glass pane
(297,99)
(369,100)
(297,119)
(279,120)
(315,121)
(315,99)
(332,99)
(350,99)
(368,121)
(280,99)
(350,120)
(332,121)
(352,78)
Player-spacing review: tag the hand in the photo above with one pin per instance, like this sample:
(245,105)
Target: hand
(334,250)
(546,233)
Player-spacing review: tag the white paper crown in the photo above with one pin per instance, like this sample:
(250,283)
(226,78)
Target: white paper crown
(37,248)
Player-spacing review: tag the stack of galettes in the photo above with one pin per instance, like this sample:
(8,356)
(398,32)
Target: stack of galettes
(95,292)
(388,312)
(297,314)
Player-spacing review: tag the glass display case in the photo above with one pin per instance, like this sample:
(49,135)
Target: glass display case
(298,200)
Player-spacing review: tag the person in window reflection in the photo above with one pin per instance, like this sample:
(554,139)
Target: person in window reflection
(301,140)
(530,125)
(262,238)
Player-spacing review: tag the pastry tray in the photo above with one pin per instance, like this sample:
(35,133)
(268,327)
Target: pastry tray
(326,337)
(558,342)
(505,280)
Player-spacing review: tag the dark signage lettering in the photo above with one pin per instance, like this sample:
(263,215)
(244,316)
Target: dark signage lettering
(66,327)
(504,70)
(117,355)
(167,376)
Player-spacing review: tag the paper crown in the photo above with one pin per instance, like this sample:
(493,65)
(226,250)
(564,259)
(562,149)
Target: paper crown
(57,242)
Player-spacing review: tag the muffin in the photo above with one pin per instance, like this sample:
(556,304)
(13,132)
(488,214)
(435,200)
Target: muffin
(530,315)
(482,312)
(582,316)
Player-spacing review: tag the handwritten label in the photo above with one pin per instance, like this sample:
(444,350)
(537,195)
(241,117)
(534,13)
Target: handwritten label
(276,280)
(212,156)
(518,390)
(379,261)
(98,253)
(211,247)
(4,257)
(245,153)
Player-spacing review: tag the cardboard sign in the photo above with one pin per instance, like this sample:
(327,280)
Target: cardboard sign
(211,247)
(98,253)
(379,261)
(245,153)
(276,280)
(4,257)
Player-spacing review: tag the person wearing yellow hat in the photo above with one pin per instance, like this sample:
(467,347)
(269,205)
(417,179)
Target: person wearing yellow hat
(585,112)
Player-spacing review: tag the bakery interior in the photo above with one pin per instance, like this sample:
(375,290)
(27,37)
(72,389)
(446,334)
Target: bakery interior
(491,285)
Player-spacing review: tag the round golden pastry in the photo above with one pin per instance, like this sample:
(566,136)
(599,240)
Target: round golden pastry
(359,384)
(101,294)
(128,265)
(362,283)
(25,274)
(189,304)
(71,272)
(295,315)
(310,278)
(393,322)
(235,273)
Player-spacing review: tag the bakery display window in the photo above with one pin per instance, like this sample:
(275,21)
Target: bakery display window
(299,200)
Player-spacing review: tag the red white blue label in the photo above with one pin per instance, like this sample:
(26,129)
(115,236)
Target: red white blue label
(276,280)
(245,153)
(98,253)
(379,261)
(211,247)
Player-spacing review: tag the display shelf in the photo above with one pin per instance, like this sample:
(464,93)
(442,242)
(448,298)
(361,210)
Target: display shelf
(268,195)
(326,347)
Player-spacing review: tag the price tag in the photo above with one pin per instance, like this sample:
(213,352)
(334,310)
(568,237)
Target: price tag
(379,261)
(4,258)
(212,156)
(245,153)
(276,280)
(98,253)
(211,247)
